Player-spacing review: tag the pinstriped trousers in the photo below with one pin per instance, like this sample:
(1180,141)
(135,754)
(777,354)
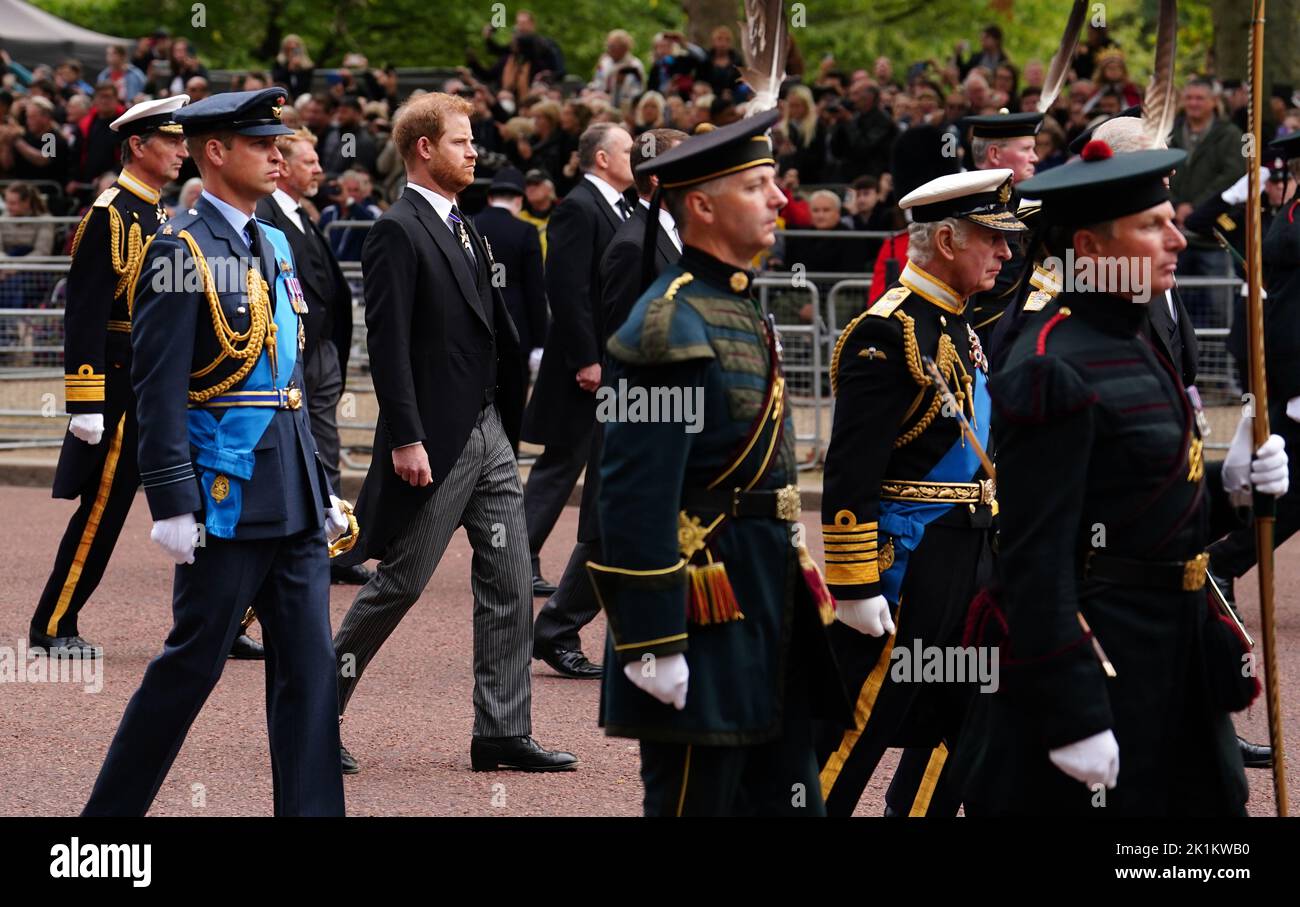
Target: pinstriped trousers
(483,494)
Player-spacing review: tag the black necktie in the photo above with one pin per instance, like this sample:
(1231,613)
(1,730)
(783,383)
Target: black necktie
(251,237)
(624,209)
(303,220)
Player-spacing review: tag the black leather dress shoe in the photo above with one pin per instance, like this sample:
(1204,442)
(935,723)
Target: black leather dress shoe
(568,662)
(1255,755)
(541,588)
(246,648)
(356,575)
(521,754)
(350,766)
(63,646)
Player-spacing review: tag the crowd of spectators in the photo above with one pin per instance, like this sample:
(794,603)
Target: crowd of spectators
(834,140)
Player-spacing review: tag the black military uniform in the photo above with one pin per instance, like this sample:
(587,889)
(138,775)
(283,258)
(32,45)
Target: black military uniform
(1103,524)
(107,251)
(986,307)
(699,556)
(225,437)
(907,506)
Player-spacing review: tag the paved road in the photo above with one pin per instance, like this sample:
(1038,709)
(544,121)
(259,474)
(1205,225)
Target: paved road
(409,723)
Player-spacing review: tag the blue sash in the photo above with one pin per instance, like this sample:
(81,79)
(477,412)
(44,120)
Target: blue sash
(225,445)
(905,521)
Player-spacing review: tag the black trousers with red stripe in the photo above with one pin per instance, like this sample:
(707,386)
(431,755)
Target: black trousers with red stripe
(92,531)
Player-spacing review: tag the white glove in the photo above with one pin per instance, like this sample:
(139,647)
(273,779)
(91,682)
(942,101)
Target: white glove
(88,427)
(176,535)
(665,678)
(1266,471)
(1293,409)
(1236,193)
(535,359)
(336,521)
(866,615)
(1092,760)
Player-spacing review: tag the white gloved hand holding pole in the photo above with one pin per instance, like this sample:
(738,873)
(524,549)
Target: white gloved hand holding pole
(176,535)
(336,521)
(866,615)
(1266,471)
(663,677)
(1093,760)
(88,427)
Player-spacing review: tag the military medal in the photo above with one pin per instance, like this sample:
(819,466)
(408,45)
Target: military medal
(977,357)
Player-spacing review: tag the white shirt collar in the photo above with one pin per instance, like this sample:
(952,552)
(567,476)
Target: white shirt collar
(666,223)
(440,203)
(236,218)
(608,192)
(931,288)
(289,207)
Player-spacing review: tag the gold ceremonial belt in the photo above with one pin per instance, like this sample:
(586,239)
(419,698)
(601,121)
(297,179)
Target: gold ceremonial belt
(981,492)
(282,398)
(123,326)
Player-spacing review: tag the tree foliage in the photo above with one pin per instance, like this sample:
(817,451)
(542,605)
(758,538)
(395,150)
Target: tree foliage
(240,33)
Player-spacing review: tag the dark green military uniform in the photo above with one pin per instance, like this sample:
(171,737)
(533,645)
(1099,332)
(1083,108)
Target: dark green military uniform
(1103,525)
(701,557)
(107,252)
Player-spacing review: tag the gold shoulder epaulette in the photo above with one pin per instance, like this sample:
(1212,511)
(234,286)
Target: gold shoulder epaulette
(885,305)
(1226,222)
(106,197)
(883,308)
(677,284)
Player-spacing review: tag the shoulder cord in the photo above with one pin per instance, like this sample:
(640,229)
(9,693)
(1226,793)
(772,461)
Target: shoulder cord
(261,329)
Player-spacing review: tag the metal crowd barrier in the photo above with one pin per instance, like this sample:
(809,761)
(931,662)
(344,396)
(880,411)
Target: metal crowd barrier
(809,317)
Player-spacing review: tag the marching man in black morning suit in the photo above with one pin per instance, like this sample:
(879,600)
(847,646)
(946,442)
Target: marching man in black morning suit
(517,254)
(562,412)
(448,376)
(240,501)
(98,461)
(327,323)
(574,605)
(620,267)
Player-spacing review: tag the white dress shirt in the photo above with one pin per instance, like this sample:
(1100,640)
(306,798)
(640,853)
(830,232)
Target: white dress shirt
(666,223)
(608,193)
(289,207)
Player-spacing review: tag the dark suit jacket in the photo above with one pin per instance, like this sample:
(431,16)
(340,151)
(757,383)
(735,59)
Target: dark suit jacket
(620,269)
(325,293)
(620,288)
(1176,340)
(172,336)
(515,245)
(431,347)
(577,235)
